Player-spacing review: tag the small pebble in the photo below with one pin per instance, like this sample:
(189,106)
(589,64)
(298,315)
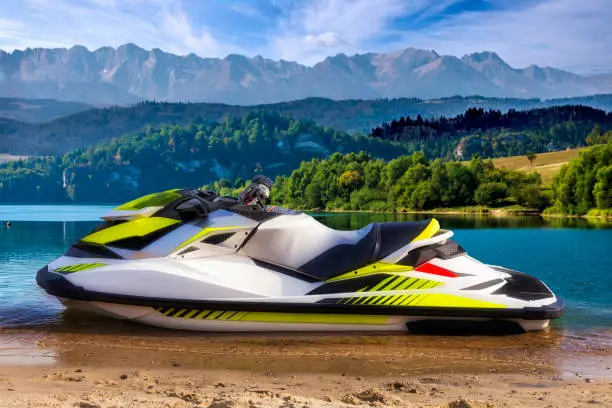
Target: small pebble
(123,376)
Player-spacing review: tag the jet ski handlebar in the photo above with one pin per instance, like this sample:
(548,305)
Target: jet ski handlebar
(254,196)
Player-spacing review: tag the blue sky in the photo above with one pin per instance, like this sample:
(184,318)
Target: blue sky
(568,34)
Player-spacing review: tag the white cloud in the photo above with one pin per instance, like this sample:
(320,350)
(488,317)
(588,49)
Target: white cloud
(95,23)
(313,30)
(175,24)
(328,39)
(434,9)
(247,10)
(560,33)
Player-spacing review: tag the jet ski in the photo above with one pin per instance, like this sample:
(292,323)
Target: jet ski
(190,259)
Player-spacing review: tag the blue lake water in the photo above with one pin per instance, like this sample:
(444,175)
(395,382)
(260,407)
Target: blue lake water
(574,257)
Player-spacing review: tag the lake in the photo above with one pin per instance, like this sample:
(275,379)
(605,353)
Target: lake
(573,256)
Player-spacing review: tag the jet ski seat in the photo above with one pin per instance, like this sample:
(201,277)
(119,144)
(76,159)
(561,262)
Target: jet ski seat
(381,241)
(309,247)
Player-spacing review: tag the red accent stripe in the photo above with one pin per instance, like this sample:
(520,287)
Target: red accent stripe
(435,270)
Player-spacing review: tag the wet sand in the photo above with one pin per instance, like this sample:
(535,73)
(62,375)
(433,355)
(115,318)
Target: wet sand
(105,363)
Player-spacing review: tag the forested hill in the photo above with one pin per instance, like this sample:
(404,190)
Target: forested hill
(38,110)
(180,156)
(491,133)
(88,128)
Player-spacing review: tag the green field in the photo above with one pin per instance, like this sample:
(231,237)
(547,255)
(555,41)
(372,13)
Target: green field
(546,164)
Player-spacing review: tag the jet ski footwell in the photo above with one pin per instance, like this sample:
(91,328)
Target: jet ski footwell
(230,316)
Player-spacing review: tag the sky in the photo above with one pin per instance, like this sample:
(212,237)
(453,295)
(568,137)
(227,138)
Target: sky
(574,35)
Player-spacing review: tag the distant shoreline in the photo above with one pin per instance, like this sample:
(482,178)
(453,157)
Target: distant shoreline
(473,212)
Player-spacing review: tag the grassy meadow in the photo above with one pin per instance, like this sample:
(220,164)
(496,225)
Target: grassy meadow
(545,164)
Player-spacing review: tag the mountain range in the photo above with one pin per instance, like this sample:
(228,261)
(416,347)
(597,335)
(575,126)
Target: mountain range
(38,110)
(128,74)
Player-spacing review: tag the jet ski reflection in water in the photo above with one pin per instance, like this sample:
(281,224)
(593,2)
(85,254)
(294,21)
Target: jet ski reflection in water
(189,259)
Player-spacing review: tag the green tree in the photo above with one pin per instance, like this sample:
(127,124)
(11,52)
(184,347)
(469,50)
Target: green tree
(312,196)
(594,135)
(531,157)
(602,191)
(584,183)
(490,193)
(532,196)
(598,137)
(350,179)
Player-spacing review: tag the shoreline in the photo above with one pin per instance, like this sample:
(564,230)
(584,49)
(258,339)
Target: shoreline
(471,211)
(487,213)
(97,366)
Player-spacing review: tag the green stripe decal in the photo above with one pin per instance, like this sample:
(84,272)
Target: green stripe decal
(78,267)
(232,315)
(151,200)
(202,233)
(81,267)
(136,228)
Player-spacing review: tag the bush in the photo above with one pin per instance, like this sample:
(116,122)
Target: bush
(532,196)
(607,213)
(377,205)
(490,193)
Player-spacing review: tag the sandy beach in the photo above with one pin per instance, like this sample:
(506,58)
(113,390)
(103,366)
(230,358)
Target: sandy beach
(113,364)
(178,387)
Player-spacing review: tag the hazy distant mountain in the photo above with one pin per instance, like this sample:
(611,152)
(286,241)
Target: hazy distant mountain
(129,73)
(38,110)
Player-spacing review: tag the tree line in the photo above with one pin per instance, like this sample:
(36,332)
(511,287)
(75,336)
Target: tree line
(169,156)
(91,127)
(357,181)
(491,133)
(409,129)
